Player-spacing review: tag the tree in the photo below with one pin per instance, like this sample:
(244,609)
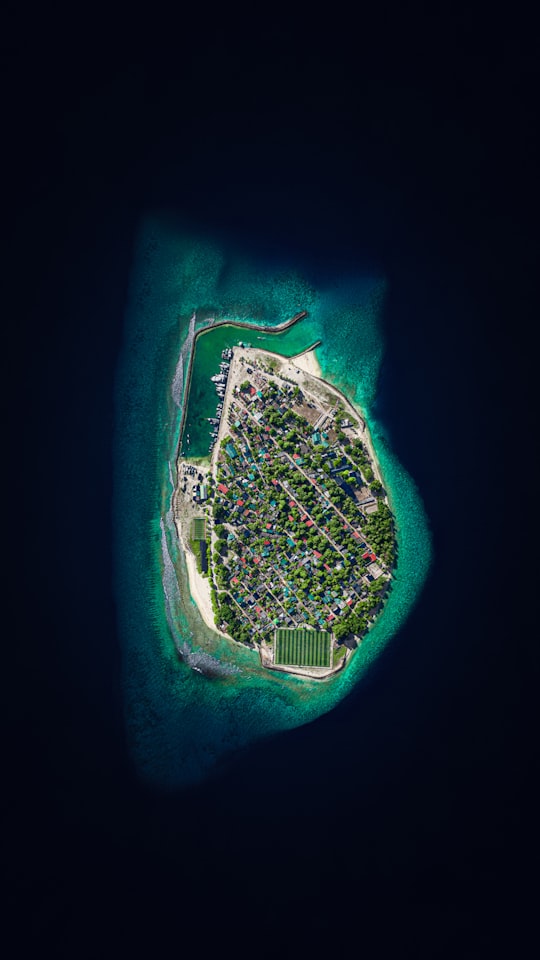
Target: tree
(341,628)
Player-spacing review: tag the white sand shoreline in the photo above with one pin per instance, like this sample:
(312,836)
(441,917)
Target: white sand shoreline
(199,588)
(308,363)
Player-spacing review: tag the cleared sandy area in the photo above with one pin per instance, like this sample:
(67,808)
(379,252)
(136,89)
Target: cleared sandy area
(308,363)
(199,589)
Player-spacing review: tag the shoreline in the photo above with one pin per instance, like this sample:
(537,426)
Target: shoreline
(199,587)
(309,364)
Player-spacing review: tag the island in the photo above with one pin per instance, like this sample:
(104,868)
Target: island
(286,527)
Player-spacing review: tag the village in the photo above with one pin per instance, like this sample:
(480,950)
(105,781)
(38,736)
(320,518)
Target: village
(290,522)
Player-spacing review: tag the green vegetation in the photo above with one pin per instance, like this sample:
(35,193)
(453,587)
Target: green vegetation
(380,530)
(339,655)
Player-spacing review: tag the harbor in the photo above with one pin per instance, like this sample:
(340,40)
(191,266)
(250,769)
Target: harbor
(220,380)
(210,348)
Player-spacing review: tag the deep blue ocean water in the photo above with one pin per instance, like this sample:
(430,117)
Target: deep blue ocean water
(411,804)
(179,723)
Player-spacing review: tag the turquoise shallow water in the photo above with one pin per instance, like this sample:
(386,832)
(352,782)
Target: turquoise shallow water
(181,723)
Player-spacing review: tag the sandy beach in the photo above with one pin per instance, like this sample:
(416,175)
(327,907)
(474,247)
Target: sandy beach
(199,588)
(308,363)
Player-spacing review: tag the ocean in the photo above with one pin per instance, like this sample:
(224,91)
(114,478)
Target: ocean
(384,179)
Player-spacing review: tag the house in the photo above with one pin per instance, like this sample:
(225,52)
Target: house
(222,488)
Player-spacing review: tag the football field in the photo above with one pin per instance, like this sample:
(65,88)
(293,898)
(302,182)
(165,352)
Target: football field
(303,648)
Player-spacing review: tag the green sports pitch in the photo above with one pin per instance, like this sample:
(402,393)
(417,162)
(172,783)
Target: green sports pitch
(300,647)
(198,529)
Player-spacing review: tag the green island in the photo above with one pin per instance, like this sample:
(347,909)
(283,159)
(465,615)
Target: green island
(287,531)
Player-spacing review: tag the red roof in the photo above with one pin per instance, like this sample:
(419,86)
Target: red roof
(222,488)
(291,518)
(268,526)
(274,481)
(240,503)
(309,523)
(252,391)
(326,567)
(331,617)
(266,542)
(267,429)
(317,554)
(366,554)
(349,601)
(256,559)
(373,557)
(296,456)
(234,579)
(258,609)
(292,503)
